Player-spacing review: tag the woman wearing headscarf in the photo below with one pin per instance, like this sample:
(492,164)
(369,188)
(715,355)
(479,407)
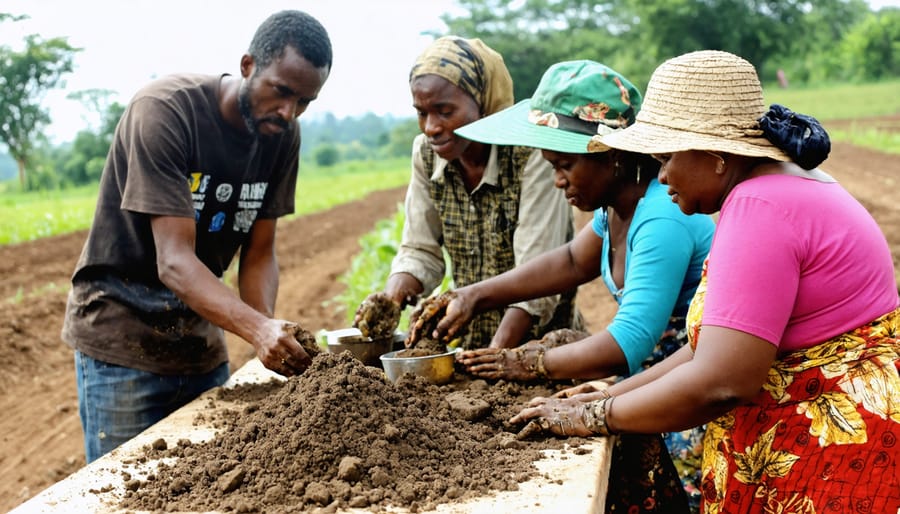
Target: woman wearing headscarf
(793,331)
(490,207)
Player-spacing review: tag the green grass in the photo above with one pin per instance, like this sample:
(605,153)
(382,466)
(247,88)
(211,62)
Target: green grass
(320,189)
(840,101)
(29,216)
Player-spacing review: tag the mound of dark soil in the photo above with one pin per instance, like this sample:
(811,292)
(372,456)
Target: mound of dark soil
(341,435)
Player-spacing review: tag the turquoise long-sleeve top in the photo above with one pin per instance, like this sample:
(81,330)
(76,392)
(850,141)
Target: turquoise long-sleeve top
(665,250)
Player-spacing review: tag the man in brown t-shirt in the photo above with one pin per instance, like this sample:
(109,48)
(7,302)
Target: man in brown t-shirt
(200,169)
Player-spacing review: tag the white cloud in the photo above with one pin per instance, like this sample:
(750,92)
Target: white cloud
(127,43)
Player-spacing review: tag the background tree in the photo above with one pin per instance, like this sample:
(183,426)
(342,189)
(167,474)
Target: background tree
(401,137)
(326,154)
(533,34)
(871,49)
(634,36)
(83,161)
(25,77)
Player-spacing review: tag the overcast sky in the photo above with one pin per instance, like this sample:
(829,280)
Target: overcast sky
(126,43)
(129,42)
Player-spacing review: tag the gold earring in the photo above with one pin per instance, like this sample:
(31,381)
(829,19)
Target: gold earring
(616,167)
(720,167)
(638,174)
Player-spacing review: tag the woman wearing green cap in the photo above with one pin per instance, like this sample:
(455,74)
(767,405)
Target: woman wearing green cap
(795,328)
(647,252)
(489,207)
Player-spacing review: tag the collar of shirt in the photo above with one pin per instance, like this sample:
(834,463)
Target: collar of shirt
(491,170)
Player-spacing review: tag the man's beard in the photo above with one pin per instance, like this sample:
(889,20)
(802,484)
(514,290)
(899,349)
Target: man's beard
(245,106)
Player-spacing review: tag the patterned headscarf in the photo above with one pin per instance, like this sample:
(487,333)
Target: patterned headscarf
(470,65)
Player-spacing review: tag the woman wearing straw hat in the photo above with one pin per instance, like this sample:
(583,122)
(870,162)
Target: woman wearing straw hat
(648,253)
(793,361)
(490,207)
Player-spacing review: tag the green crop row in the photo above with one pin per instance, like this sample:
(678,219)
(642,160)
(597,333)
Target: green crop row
(370,268)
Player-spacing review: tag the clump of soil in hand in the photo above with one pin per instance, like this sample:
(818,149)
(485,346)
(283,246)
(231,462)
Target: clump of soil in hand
(426,318)
(342,436)
(304,337)
(377,317)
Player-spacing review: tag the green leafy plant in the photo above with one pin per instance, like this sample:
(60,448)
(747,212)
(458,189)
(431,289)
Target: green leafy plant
(371,267)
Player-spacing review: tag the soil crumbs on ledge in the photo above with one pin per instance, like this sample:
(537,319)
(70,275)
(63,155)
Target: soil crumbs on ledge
(342,436)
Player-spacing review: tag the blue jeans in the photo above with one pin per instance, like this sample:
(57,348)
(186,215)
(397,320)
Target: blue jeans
(117,403)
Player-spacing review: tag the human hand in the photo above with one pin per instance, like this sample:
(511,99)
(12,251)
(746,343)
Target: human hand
(562,336)
(403,288)
(439,317)
(285,348)
(519,363)
(588,391)
(377,316)
(569,392)
(560,416)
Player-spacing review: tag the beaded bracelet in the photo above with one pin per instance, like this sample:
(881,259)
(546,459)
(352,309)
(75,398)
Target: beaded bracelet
(539,370)
(594,416)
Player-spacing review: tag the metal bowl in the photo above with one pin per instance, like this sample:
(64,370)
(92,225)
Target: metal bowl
(363,348)
(436,368)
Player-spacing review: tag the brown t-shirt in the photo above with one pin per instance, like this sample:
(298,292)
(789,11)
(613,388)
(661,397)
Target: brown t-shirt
(174,155)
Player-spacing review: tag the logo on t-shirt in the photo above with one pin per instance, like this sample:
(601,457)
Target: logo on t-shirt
(243,220)
(223,192)
(199,181)
(217,222)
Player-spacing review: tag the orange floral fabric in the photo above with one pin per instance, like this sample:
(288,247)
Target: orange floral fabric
(821,436)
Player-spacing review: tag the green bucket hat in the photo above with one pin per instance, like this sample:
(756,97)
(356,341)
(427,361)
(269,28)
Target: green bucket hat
(575,104)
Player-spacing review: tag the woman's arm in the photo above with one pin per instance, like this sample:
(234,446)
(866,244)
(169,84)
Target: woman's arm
(728,368)
(659,256)
(552,272)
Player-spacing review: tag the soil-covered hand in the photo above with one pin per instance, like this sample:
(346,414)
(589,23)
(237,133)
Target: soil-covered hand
(286,348)
(560,416)
(588,391)
(439,317)
(377,316)
(403,288)
(502,363)
(562,336)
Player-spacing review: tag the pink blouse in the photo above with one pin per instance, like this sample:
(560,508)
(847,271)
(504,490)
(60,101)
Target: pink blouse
(796,262)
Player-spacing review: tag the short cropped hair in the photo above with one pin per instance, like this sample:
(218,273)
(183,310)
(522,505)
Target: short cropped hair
(291,28)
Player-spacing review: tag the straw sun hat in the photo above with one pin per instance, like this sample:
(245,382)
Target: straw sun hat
(706,100)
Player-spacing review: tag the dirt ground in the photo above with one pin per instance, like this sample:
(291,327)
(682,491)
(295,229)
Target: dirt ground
(40,434)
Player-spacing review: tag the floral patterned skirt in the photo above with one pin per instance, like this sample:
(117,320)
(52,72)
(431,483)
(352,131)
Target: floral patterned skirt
(822,435)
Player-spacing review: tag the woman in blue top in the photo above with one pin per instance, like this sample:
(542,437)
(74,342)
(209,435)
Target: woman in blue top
(648,253)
